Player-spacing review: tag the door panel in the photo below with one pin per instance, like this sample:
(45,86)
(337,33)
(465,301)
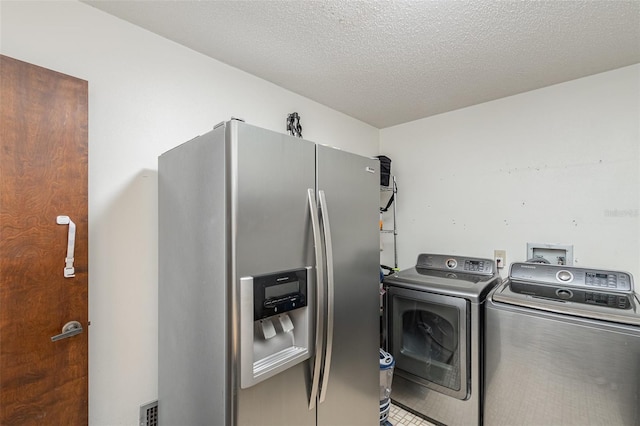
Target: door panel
(351,184)
(43,174)
(544,368)
(272,226)
(428,337)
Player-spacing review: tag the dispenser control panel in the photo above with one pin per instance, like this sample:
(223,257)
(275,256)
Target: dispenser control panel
(275,323)
(278,293)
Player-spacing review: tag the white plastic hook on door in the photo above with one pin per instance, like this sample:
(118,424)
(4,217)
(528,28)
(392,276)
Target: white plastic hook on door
(69,270)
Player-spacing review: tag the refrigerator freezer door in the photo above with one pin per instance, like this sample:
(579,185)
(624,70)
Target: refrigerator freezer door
(271,231)
(351,187)
(270,208)
(193,314)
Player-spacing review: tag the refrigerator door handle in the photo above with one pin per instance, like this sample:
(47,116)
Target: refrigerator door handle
(330,294)
(317,363)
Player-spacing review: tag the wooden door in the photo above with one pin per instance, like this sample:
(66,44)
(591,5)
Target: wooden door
(43,175)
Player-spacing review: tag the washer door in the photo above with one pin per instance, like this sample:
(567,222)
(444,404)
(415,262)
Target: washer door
(428,339)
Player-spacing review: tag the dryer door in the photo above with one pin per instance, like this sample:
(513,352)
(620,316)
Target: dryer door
(428,335)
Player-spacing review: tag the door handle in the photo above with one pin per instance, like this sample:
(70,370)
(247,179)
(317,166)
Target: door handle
(328,244)
(317,359)
(69,329)
(69,271)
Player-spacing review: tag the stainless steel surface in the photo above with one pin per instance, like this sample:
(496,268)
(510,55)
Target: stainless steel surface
(193,274)
(352,194)
(233,298)
(245,357)
(320,304)
(273,233)
(449,293)
(326,369)
(234,204)
(551,367)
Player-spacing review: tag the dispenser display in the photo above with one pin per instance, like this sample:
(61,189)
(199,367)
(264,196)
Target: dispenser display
(278,293)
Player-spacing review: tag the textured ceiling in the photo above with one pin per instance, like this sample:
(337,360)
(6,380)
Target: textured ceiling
(390,62)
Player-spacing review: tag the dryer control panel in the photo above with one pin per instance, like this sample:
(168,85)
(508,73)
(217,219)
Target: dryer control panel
(441,262)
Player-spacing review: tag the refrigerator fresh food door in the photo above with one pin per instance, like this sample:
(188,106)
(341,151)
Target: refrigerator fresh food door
(348,192)
(271,233)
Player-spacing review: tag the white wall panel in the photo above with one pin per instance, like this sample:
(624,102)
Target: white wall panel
(555,165)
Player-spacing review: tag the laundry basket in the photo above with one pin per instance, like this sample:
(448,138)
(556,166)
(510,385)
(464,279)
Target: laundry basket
(386,377)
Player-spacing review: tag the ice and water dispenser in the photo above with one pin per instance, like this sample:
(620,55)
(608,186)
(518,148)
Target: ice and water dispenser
(275,320)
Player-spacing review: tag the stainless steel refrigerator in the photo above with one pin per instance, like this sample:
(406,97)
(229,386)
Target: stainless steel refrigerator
(268,282)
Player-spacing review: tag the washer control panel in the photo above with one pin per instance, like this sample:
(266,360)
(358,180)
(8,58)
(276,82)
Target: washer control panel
(578,295)
(569,284)
(574,277)
(455,263)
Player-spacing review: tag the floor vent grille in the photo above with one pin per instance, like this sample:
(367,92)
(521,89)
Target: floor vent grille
(149,414)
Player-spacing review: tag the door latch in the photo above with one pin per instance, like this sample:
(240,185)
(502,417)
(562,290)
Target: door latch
(69,329)
(69,270)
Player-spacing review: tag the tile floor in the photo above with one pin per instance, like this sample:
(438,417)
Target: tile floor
(401,417)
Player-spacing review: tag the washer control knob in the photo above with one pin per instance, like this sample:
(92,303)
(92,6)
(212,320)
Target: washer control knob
(565,276)
(451,263)
(564,294)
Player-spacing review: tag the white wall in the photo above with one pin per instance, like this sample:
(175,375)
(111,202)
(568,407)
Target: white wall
(555,165)
(146,95)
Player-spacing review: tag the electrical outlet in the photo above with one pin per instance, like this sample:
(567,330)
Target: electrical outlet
(500,256)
